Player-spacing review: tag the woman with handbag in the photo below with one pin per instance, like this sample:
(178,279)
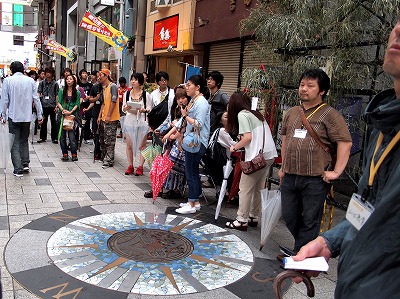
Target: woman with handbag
(257,141)
(194,128)
(68,101)
(135,126)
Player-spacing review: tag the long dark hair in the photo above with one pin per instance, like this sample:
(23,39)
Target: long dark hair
(239,101)
(65,90)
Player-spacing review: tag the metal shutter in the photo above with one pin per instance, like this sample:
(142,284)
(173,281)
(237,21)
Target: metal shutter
(225,57)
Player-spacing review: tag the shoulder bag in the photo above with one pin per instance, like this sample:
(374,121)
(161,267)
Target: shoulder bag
(159,113)
(257,163)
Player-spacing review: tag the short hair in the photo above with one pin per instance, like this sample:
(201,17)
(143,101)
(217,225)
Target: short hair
(139,77)
(122,80)
(217,77)
(40,71)
(94,73)
(67,69)
(324,83)
(16,66)
(50,70)
(160,75)
(82,71)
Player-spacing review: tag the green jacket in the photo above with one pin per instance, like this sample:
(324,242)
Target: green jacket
(68,106)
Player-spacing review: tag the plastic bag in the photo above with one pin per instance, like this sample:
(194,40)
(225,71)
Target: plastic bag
(271,211)
(6,141)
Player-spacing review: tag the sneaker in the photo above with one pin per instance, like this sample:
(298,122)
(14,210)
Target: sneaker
(26,168)
(139,171)
(64,158)
(40,141)
(186,209)
(18,173)
(106,165)
(129,170)
(196,205)
(74,158)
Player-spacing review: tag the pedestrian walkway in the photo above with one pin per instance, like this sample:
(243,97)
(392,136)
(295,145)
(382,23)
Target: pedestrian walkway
(75,229)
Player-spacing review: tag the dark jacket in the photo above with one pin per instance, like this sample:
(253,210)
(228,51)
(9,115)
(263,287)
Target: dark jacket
(218,106)
(369,262)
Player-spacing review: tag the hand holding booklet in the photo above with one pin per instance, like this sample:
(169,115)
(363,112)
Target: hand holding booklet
(134,105)
(312,264)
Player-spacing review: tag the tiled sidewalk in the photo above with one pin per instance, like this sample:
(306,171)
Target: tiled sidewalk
(53,185)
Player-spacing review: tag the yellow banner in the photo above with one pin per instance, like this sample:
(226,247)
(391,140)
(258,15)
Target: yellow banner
(104,31)
(61,50)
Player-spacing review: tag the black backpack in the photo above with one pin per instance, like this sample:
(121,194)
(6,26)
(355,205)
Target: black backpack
(215,150)
(159,113)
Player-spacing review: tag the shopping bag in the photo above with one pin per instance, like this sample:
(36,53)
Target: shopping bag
(271,211)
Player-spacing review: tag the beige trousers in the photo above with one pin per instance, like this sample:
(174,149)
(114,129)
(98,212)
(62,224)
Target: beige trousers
(250,186)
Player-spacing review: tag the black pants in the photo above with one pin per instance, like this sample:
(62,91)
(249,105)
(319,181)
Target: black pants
(96,140)
(49,112)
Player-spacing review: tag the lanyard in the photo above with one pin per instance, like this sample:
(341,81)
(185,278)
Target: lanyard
(373,169)
(320,106)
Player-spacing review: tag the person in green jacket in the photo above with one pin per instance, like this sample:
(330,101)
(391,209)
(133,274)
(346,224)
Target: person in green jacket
(369,247)
(68,101)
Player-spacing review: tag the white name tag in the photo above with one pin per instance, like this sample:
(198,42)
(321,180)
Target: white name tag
(358,211)
(46,97)
(97,102)
(300,133)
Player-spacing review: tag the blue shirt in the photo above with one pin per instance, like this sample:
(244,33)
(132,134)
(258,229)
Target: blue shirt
(200,111)
(19,91)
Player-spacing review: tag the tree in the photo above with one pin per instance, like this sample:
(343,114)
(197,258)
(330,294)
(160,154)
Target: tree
(346,37)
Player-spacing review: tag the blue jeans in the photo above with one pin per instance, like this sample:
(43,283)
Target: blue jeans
(192,162)
(20,147)
(302,206)
(72,142)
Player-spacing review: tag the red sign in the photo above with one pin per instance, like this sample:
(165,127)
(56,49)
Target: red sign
(166,33)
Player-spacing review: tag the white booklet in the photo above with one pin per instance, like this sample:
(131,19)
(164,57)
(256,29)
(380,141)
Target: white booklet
(312,263)
(134,105)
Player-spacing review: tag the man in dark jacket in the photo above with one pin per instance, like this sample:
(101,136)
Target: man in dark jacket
(48,91)
(218,99)
(369,262)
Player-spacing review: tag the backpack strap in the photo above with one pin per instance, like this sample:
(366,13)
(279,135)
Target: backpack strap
(127,95)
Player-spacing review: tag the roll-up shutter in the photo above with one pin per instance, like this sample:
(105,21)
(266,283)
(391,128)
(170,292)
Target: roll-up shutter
(225,57)
(250,60)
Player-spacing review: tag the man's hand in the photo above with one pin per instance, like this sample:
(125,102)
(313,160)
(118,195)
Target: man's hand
(329,176)
(281,174)
(317,247)
(40,121)
(107,119)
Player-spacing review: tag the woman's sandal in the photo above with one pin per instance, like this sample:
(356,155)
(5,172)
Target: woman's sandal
(253,222)
(242,225)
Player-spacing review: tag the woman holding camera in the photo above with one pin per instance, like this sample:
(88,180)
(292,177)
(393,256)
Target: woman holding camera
(255,136)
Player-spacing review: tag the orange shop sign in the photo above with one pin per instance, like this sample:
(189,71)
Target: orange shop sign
(166,33)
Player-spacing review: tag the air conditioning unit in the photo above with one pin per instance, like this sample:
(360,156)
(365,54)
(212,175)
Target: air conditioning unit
(162,4)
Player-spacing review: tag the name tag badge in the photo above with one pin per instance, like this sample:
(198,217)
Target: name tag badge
(358,211)
(97,102)
(300,133)
(47,98)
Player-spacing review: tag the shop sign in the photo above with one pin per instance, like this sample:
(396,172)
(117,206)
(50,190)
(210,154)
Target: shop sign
(166,33)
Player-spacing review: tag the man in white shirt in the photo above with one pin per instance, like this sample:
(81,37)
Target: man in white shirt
(160,94)
(19,91)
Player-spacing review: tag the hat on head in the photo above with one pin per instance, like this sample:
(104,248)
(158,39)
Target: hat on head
(106,72)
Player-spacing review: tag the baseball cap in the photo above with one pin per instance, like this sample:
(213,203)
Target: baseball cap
(106,72)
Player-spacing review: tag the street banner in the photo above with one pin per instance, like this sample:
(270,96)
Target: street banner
(98,27)
(191,70)
(61,50)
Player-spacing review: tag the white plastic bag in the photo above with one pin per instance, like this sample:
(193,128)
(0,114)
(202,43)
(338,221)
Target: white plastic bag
(6,140)
(271,211)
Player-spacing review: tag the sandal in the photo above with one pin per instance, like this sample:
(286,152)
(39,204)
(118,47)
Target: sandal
(236,224)
(252,221)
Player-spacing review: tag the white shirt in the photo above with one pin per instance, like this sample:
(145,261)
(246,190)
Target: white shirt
(19,91)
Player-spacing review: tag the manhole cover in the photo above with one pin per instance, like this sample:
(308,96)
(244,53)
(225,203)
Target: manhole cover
(150,245)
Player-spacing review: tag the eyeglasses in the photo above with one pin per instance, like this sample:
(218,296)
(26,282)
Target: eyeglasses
(163,80)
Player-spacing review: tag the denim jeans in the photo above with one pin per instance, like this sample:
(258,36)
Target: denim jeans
(192,162)
(20,147)
(72,142)
(302,206)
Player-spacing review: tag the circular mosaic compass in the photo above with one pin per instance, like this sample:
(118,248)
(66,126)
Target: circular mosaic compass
(88,253)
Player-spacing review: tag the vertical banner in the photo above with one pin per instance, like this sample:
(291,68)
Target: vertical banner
(61,50)
(191,70)
(98,27)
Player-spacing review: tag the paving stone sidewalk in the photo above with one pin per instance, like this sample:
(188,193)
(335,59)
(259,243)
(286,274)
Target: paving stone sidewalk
(53,185)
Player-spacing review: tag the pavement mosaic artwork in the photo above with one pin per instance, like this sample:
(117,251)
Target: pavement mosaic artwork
(87,254)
